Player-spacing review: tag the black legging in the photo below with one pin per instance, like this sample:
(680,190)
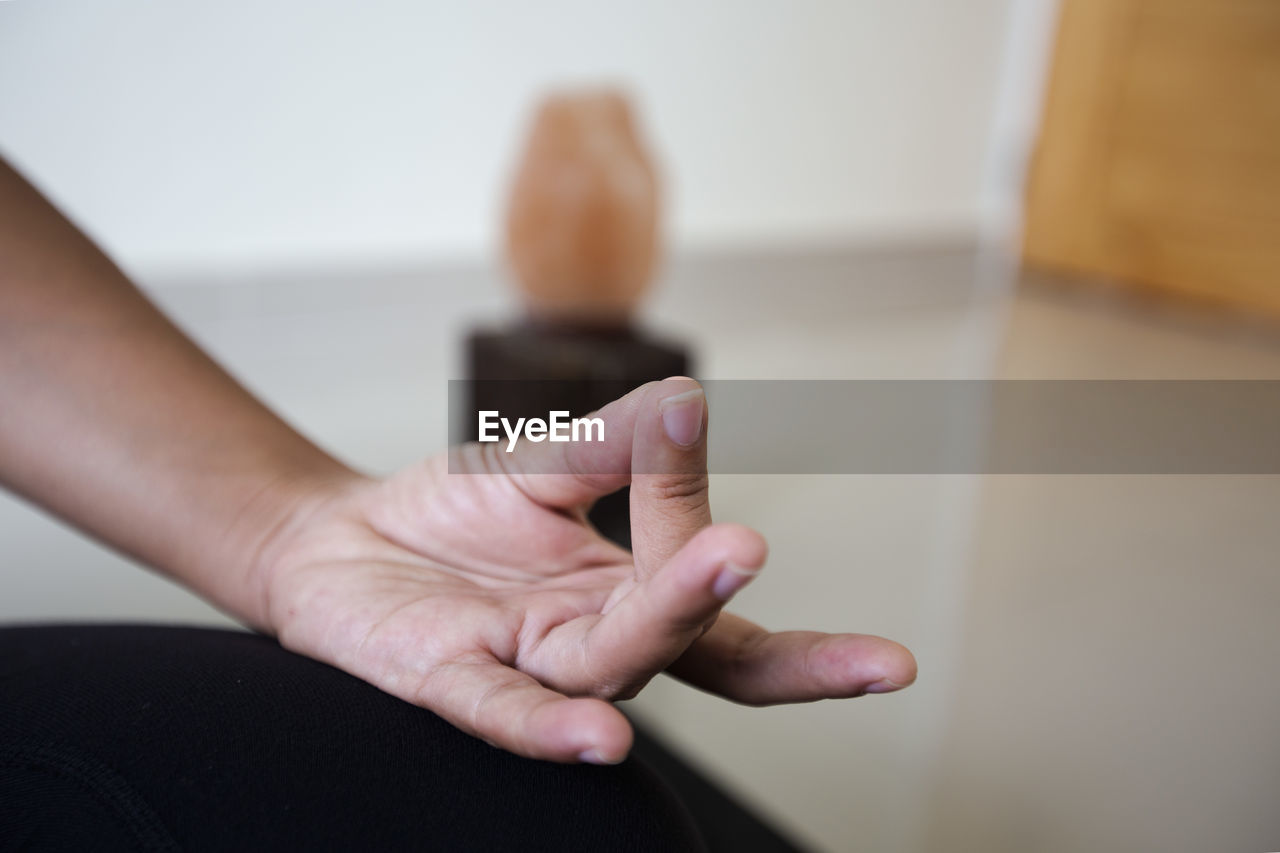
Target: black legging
(116,737)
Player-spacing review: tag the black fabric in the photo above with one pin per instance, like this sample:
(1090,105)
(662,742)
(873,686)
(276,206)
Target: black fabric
(151,738)
(726,825)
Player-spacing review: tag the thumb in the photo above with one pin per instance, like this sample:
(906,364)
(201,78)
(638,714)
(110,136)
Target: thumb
(669,499)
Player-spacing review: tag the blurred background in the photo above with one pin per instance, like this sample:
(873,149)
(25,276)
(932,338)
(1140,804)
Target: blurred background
(1083,189)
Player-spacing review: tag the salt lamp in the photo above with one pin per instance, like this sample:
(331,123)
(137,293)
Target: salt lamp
(582,224)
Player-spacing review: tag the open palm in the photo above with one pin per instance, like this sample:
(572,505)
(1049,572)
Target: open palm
(473,585)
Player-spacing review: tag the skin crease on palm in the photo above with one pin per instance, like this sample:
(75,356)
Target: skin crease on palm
(471,585)
(487,597)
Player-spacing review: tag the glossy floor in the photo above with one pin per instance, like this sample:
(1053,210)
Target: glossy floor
(1096,653)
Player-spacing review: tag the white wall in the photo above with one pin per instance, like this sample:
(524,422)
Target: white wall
(240,134)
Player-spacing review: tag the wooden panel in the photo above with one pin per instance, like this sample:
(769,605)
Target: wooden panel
(1159,157)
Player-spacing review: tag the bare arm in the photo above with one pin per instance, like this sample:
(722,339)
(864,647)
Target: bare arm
(112,418)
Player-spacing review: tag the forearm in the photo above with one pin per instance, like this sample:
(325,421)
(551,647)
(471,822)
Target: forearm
(113,419)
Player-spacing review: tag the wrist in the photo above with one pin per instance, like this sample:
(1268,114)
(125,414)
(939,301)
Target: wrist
(273,519)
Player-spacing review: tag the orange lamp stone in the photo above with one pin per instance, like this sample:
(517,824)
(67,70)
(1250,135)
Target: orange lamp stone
(582,225)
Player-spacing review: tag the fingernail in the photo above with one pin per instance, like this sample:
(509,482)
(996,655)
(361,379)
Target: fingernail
(885,685)
(593,756)
(682,416)
(731,579)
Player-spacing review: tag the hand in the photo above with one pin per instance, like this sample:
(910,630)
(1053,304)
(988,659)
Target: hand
(485,596)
